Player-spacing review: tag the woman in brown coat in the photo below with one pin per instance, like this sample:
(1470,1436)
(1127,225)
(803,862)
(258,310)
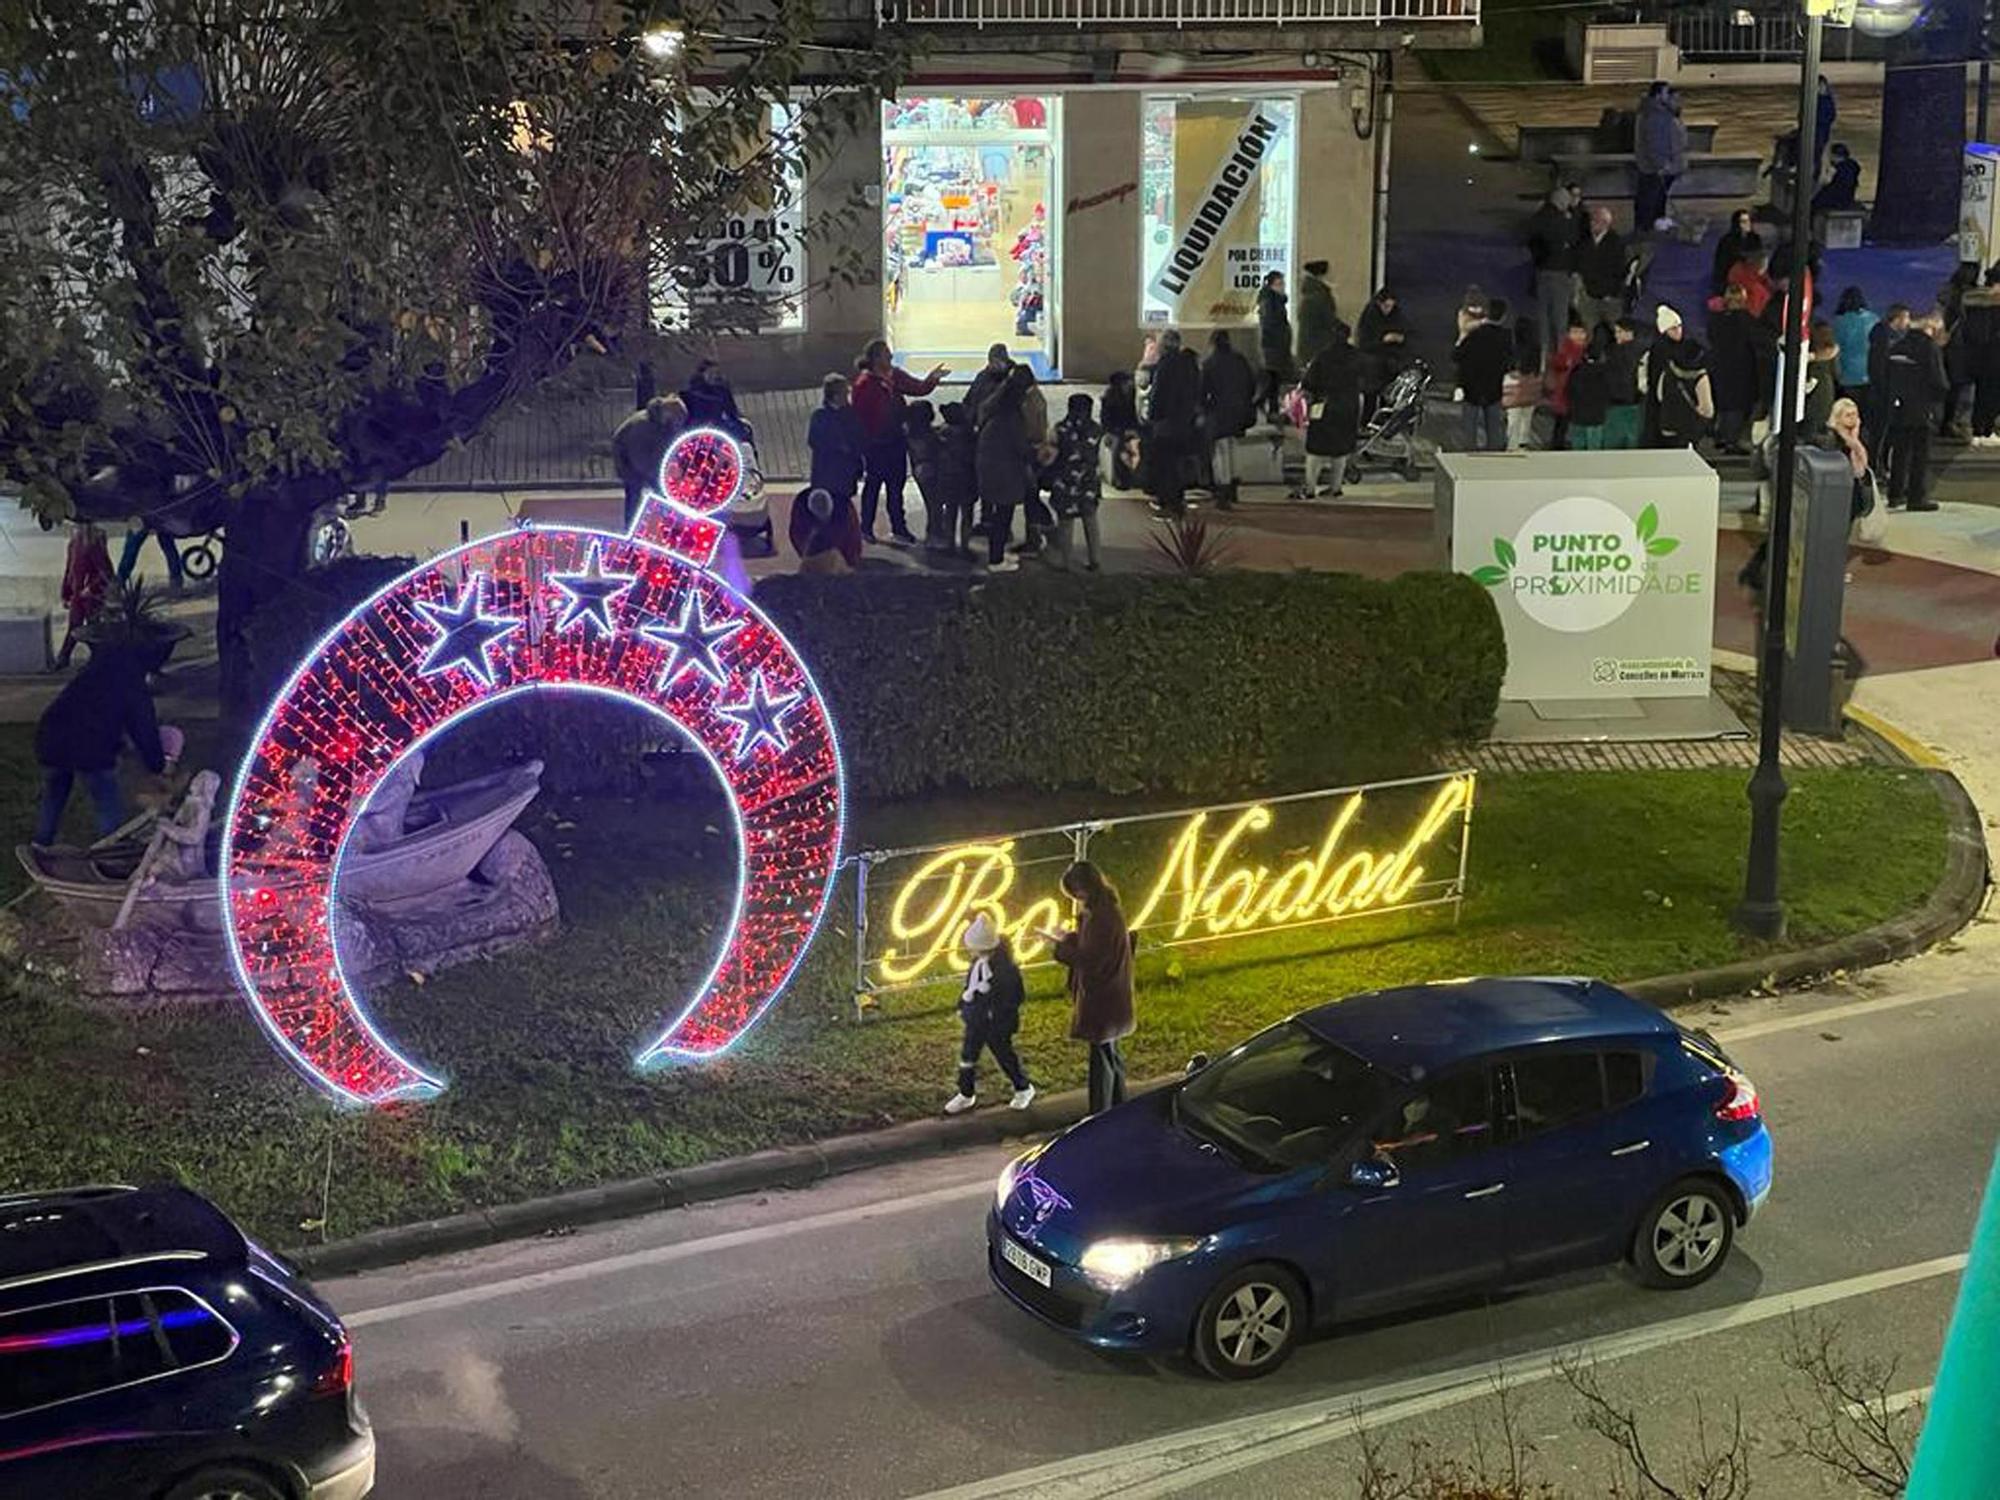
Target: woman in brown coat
(1098,954)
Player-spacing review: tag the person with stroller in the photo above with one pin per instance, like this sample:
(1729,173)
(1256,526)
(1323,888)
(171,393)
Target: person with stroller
(1274,342)
(1382,337)
(989,1011)
(1333,394)
(711,403)
(1076,482)
(1228,407)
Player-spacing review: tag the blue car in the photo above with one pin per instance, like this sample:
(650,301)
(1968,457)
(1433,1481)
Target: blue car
(149,1351)
(1395,1148)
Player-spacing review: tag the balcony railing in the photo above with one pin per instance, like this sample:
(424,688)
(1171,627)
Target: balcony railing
(1157,15)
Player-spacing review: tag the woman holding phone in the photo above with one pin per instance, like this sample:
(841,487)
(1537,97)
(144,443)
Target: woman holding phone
(1098,955)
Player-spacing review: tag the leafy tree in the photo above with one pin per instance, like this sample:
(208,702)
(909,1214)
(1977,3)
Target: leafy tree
(258,254)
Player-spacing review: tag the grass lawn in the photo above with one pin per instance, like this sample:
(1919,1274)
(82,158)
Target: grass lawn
(1620,874)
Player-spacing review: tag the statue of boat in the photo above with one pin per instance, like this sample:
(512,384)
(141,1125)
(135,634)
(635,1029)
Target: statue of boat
(444,833)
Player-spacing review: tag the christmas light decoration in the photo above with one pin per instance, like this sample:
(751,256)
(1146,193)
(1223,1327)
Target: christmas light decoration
(639,617)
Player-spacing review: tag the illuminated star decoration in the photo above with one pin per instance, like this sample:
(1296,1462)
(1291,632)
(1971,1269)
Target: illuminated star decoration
(465,633)
(691,641)
(760,716)
(591,593)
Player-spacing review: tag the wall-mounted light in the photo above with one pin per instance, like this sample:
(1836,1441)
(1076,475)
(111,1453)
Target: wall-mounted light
(662,42)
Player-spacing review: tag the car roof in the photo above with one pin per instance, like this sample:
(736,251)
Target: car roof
(76,1230)
(1420,1029)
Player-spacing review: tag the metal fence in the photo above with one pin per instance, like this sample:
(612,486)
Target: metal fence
(1737,33)
(1174,14)
(1191,876)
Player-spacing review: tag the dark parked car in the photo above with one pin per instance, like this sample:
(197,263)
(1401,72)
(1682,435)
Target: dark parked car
(1394,1148)
(149,1351)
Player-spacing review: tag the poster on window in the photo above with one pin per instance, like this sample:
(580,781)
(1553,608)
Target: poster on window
(749,255)
(1248,265)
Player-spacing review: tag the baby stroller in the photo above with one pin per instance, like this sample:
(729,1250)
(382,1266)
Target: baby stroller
(1389,441)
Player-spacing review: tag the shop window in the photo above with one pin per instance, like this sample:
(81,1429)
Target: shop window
(966,251)
(749,269)
(1217,182)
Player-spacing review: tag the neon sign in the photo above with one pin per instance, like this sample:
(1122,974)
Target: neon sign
(640,617)
(1205,887)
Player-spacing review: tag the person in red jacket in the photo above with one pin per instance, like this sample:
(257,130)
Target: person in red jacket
(1567,356)
(85,583)
(880,389)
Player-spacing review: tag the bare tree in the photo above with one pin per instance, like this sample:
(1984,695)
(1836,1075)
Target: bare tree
(1850,1421)
(1502,1471)
(1716,1470)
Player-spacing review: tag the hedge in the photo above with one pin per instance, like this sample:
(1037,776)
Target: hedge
(1134,683)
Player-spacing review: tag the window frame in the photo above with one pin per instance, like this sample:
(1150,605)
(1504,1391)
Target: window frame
(109,1300)
(1498,1115)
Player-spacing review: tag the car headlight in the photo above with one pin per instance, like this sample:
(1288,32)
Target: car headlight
(1116,1264)
(1011,1175)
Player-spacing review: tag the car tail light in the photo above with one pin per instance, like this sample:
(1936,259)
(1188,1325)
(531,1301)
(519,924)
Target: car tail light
(337,1377)
(1740,1103)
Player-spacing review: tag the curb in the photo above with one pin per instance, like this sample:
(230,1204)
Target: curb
(1950,905)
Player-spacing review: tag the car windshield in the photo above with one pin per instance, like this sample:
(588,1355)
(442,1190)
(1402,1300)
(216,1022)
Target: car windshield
(1286,1096)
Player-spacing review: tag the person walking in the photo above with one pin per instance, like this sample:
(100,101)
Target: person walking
(1098,954)
(1659,148)
(1553,231)
(1875,411)
(881,388)
(1917,389)
(86,584)
(1274,341)
(833,436)
(1737,241)
(1317,312)
(1077,480)
(1333,395)
(989,1011)
(640,444)
(136,532)
(80,734)
(1173,423)
(1228,407)
(1483,354)
(1005,463)
(1601,265)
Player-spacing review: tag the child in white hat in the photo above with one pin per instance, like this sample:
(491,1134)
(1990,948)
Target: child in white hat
(991,1011)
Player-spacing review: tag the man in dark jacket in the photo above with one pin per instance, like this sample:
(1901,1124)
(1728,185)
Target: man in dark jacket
(1917,388)
(81,733)
(1317,312)
(1600,271)
(1875,415)
(1485,350)
(1173,423)
(1228,407)
(1383,339)
(1274,340)
(1553,230)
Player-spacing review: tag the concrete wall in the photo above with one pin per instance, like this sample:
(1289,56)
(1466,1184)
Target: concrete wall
(1098,249)
(1336,201)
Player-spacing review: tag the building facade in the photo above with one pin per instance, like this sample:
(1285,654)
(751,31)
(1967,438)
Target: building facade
(1068,176)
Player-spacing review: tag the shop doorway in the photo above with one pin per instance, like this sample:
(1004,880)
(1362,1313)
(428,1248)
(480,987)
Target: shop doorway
(969,255)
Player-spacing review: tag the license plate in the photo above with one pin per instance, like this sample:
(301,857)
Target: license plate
(1023,1262)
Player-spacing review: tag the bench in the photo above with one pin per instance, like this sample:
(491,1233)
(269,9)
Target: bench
(1547,142)
(1604,174)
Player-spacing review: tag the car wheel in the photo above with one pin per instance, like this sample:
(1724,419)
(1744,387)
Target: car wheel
(228,1482)
(1684,1238)
(1250,1323)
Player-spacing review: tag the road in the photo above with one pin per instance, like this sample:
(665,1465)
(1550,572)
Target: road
(843,1341)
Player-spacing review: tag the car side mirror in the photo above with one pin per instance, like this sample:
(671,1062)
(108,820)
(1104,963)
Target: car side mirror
(1373,1172)
(1195,1064)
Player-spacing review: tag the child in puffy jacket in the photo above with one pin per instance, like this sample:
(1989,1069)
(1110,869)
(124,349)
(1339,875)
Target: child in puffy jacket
(1076,480)
(990,1009)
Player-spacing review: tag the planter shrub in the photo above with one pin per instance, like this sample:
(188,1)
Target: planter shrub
(1131,683)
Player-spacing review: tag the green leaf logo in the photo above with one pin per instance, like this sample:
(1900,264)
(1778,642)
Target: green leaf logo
(1504,550)
(1649,522)
(1660,546)
(1490,575)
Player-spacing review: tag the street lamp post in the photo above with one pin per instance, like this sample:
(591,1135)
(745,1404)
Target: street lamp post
(1761,913)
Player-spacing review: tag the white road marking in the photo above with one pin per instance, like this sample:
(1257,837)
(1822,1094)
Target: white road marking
(1901,1401)
(1175,1462)
(837,1218)
(1825,1013)
(659,1255)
